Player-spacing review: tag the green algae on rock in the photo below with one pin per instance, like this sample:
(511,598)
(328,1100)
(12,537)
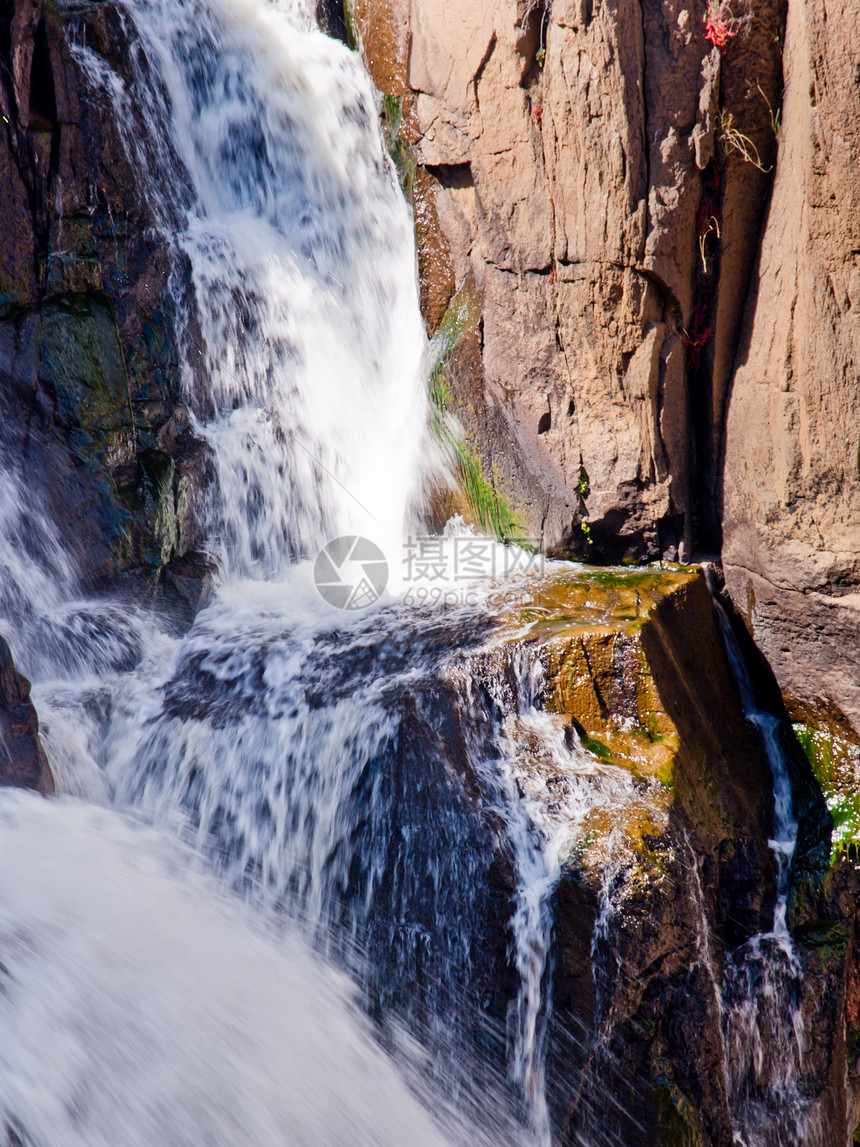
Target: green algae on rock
(835,761)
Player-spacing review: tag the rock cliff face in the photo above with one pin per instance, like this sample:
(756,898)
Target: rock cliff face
(647,257)
(792,514)
(90,408)
(579,161)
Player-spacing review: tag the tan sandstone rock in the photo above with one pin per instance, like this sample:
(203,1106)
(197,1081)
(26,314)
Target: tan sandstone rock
(598,175)
(561,152)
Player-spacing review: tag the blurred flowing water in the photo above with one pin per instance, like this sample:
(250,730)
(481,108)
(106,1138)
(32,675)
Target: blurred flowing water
(763,1023)
(350,775)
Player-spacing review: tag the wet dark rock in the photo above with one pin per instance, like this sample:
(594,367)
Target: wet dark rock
(650,945)
(91,405)
(23,763)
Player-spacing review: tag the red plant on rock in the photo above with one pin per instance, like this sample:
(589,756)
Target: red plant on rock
(718,32)
(720,24)
(696,338)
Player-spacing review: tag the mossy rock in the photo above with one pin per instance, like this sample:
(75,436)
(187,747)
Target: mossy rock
(81,361)
(72,265)
(677,1123)
(76,345)
(835,761)
(635,663)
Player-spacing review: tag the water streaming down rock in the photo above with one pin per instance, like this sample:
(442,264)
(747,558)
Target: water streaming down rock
(762,978)
(390,789)
(544,786)
(391,783)
(258,145)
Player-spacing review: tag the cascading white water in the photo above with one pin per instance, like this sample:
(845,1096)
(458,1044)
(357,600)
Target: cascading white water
(545,786)
(276,735)
(304,353)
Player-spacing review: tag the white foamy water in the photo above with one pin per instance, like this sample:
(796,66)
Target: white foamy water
(544,785)
(137,1008)
(305,356)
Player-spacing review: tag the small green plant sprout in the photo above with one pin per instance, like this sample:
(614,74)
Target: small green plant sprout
(720,25)
(586,530)
(775,115)
(730,139)
(491,511)
(583,486)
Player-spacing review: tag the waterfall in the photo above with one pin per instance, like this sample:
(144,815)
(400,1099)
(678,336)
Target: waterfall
(311,760)
(305,345)
(299,886)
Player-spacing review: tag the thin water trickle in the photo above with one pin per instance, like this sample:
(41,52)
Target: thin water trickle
(762,980)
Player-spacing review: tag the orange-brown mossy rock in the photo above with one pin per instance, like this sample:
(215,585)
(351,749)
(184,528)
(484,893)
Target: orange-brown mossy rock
(23,763)
(636,659)
(382,30)
(662,884)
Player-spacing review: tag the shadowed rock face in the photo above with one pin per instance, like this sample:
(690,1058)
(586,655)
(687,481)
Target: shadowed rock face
(22,760)
(90,404)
